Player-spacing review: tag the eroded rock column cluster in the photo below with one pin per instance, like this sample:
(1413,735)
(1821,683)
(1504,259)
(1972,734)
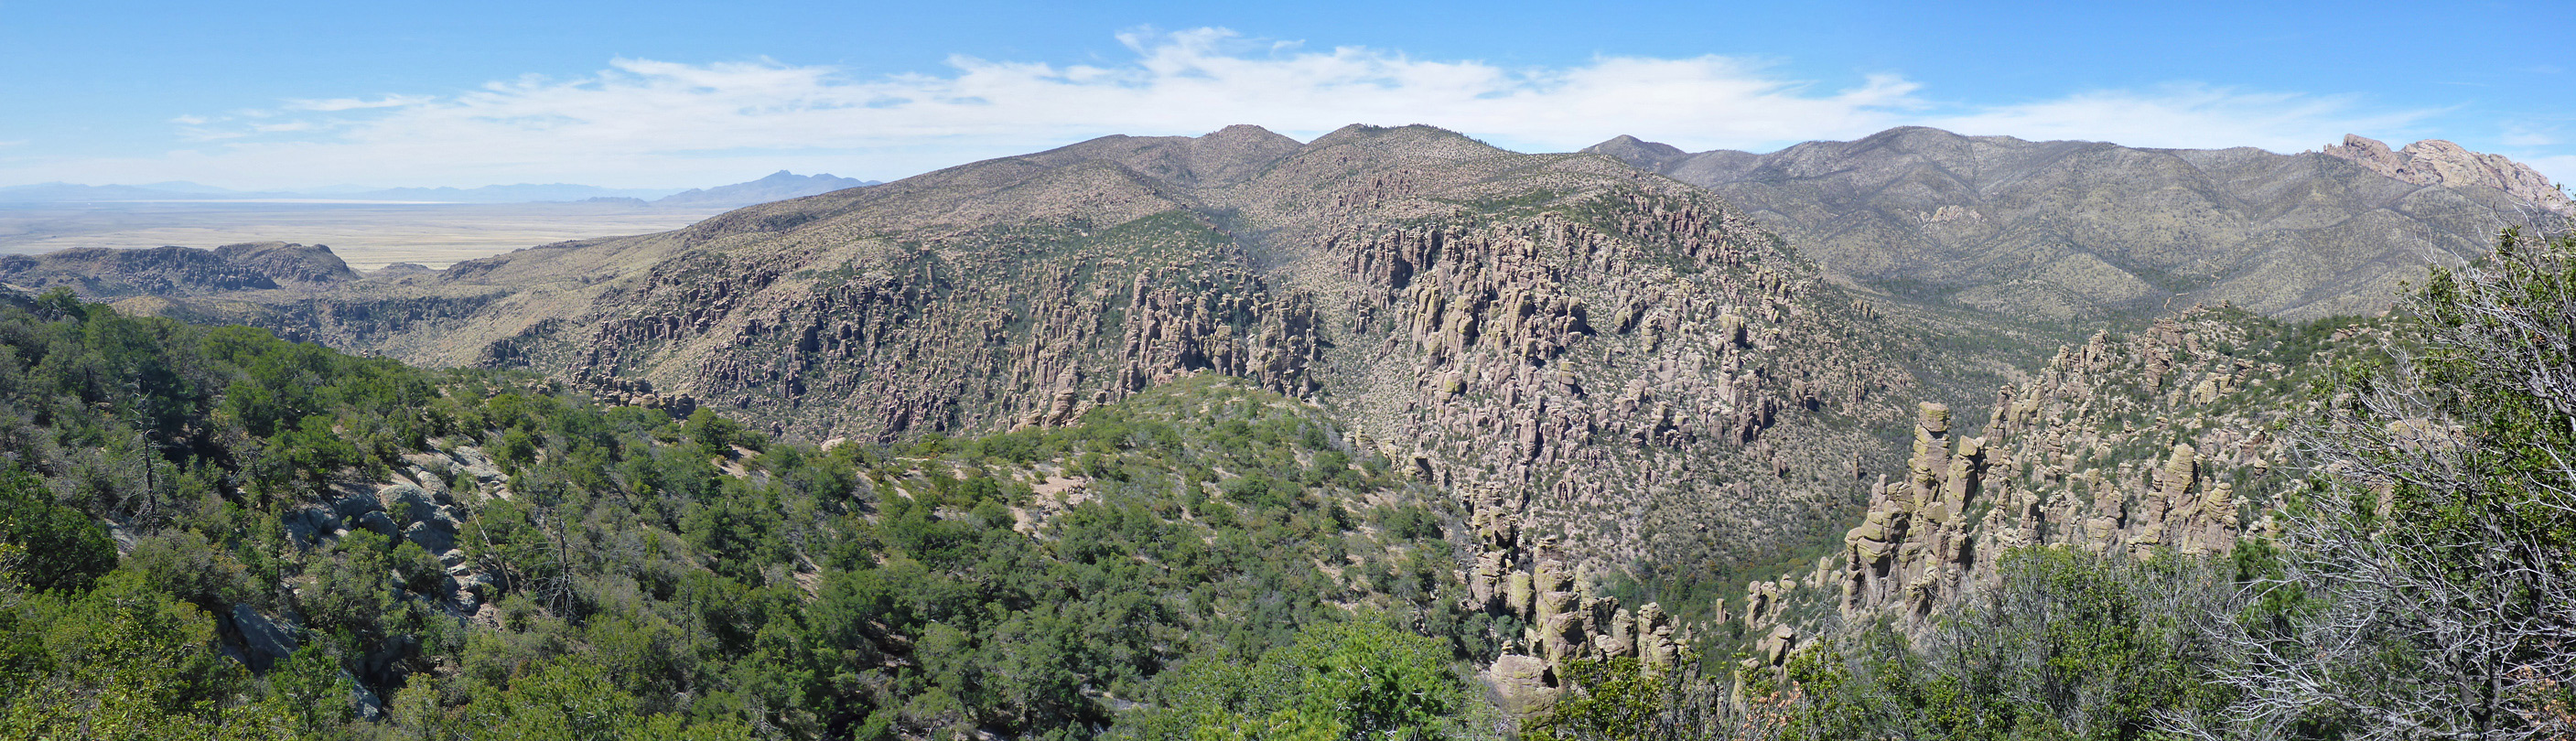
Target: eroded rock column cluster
(2133,445)
(1563,621)
(1916,543)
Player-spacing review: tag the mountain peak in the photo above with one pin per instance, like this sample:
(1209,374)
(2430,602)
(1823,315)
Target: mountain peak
(1247,133)
(1410,141)
(1638,153)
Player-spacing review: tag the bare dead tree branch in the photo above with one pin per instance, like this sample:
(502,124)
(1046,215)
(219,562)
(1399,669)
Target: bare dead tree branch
(2427,589)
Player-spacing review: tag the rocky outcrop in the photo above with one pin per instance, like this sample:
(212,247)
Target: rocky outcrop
(289,264)
(257,640)
(424,502)
(2438,162)
(106,274)
(1040,336)
(1551,362)
(1524,686)
(2160,441)
(1909,548)
(1566,623)
(1532,584)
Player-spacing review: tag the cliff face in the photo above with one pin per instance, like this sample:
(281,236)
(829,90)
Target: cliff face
(2061,230)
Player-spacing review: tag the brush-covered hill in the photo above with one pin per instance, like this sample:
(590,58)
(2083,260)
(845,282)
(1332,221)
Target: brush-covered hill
(2070,230)
(106,273)
(212,533)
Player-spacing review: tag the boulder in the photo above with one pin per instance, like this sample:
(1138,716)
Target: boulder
(264,642)
(1774,647)
(1524,686)
(431,537)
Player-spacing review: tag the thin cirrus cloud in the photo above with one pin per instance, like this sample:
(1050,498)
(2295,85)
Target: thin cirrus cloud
(352,104)
(654,123)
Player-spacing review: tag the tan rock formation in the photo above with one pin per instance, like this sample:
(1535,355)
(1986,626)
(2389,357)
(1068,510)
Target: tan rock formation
(2438,162)
(1523,685)
(2120,445)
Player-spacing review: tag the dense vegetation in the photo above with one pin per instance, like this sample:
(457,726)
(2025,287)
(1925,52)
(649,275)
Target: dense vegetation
(619,572)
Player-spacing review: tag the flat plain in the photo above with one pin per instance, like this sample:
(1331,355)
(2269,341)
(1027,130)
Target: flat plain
(368,235)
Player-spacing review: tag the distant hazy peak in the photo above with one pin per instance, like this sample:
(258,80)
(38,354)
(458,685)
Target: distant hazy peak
(1638,153)
(2438,162)
(778,186)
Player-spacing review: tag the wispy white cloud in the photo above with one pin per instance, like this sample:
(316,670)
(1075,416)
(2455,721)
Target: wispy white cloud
(2527,134)
(352,104)
(653,123)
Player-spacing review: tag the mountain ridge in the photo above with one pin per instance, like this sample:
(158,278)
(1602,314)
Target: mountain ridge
(2061,230)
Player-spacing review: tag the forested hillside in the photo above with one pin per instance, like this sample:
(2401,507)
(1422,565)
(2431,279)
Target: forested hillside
(214,533)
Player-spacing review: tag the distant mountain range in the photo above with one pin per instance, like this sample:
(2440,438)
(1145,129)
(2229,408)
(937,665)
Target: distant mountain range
(781,185)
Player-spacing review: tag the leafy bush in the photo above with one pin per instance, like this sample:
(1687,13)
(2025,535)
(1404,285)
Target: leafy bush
(59,547)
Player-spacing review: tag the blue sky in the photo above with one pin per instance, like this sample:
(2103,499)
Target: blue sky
(671,94)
